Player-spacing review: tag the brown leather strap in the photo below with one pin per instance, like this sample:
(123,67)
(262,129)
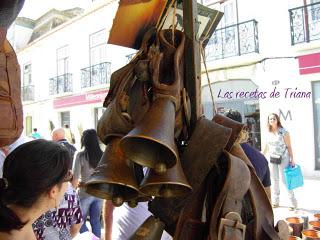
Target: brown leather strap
(262,209)
(229,123)
(230,199)
(3,34)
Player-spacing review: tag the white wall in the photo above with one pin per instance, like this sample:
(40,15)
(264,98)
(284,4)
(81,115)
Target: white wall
(276,61)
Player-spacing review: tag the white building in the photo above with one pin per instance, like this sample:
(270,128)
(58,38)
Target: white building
(66,65)
(262,45)
(258,46)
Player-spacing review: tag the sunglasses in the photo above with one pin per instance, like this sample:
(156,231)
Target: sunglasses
(68,177)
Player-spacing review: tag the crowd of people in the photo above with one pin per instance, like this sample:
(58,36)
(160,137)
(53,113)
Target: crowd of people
(52,186)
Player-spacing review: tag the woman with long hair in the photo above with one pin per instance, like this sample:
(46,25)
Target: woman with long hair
(278,145)
(84,164)
(35,177)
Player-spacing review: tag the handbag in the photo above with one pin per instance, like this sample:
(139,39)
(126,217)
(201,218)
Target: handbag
(293,177)
(275,159)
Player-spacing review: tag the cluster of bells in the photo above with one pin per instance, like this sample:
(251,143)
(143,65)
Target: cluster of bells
(150,144)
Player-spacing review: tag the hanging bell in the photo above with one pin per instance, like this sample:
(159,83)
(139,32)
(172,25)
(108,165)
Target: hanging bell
(114,178)
(151,229)
(173,183)
(151,143)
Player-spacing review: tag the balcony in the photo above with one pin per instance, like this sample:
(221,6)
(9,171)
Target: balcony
(234,40)
(305,23)
(28,93)
(96,75)
(60,84)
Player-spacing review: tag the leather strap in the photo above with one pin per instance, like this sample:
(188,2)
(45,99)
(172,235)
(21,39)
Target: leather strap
(262,209)
(230,200)
(229,123)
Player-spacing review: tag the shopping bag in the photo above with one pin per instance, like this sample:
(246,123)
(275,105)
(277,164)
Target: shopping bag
(293,177)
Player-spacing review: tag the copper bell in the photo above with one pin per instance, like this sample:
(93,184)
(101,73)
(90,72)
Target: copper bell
(173,183)
(151,229)
(151,143)
(114,178)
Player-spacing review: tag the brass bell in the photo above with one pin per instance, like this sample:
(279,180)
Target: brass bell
(173,183)
(114,178)
(151,143)
(151,229)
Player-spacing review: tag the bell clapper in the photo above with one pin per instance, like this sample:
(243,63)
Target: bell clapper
(117,201)
(132,203)
(160,168)
(165,191)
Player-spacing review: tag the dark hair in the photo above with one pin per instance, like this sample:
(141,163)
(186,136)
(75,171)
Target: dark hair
(35,129)
(279,125)
(234,115)
(30,170)
(92,150)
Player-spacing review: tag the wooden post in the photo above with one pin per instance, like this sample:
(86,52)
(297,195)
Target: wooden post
(192,59)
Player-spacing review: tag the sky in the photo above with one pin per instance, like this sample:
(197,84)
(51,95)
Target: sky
(35,8)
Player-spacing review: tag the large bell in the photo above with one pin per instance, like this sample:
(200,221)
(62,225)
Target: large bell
(173,183)
(151,142)
(151,229)
(114,178)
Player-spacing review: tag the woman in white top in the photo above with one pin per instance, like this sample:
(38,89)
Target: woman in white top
(279,147)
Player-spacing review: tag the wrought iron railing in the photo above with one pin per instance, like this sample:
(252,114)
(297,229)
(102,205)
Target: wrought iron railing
(305,23)
(28,93)
(234,40)
(96,75)
(60,84)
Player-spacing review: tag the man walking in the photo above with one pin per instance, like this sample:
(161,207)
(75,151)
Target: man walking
(58,135)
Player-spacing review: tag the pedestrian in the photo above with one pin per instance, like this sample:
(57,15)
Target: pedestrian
(34,180)
(64,221)
(35,134)
(84,164)
(278,145)
(58,135)
(257,159)
(120,223)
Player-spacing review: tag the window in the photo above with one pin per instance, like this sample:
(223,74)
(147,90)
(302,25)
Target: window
(65,118)
(27,79)
(62,60)
(316,117)
(98,47)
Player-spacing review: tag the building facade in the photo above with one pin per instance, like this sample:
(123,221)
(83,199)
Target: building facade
(264,58)
(66,66)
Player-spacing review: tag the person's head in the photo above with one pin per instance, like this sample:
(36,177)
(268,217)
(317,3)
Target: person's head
(273,122)
(90,143)
(35,176)
(236,116)
(35,129)
(66,125)
(58,134)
